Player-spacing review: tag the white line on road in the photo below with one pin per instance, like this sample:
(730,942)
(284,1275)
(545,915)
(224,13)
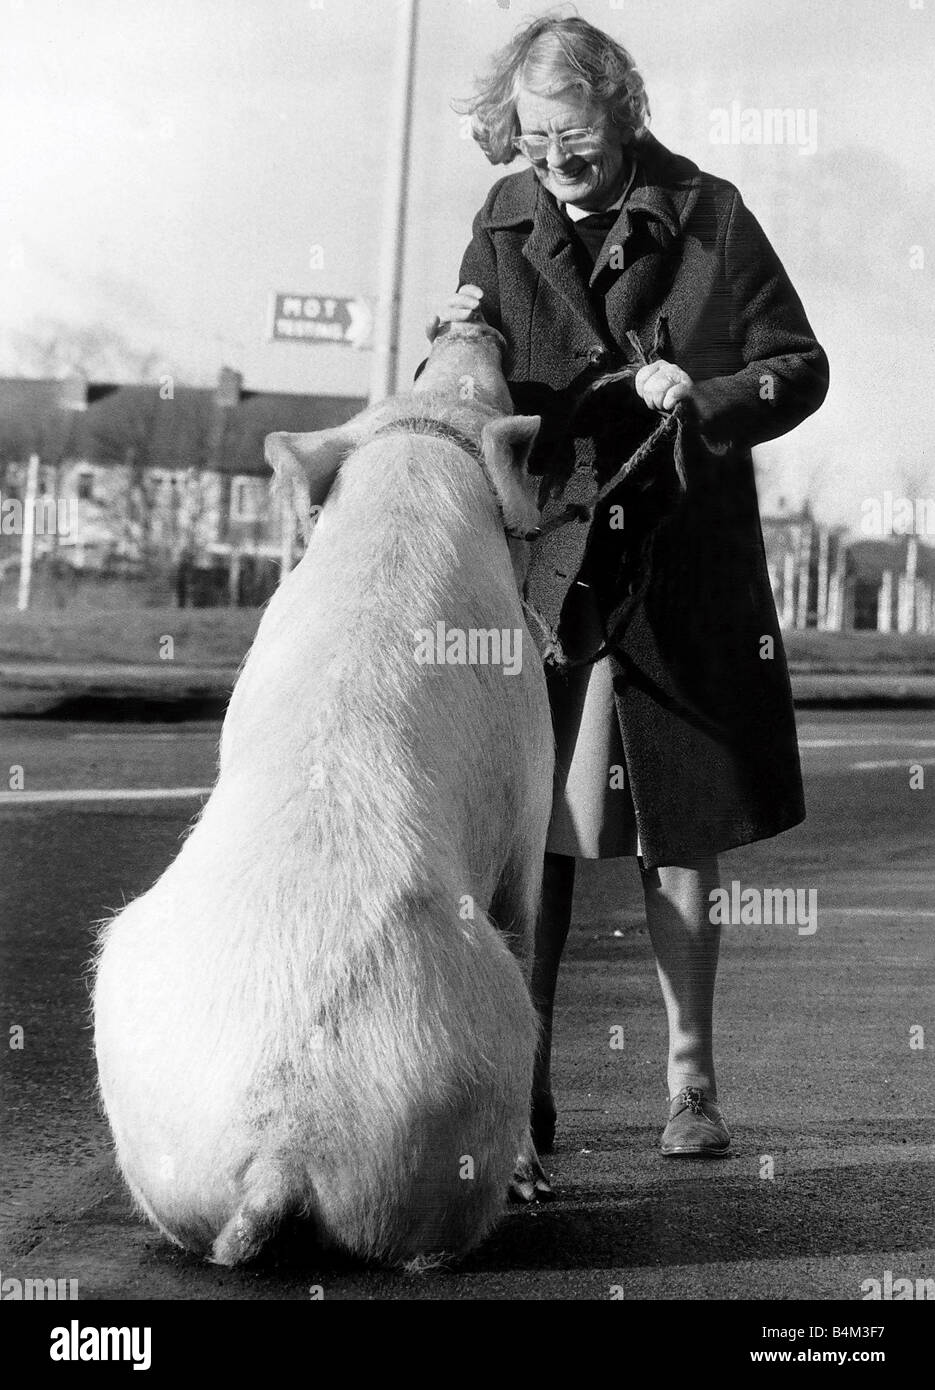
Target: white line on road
(892,762)
(867,742)
(164,735)
(103,794)
(877,911)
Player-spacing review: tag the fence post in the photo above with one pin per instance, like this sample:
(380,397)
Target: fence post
(29,533)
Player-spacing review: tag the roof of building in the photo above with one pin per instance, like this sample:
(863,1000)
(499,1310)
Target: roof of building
(869,559)
(126,422)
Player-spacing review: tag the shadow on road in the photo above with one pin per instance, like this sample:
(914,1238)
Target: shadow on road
(690,1214)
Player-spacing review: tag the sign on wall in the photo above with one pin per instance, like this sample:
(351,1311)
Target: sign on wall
(319,318)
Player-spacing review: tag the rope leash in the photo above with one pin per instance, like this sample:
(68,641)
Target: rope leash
(673,420)
(671,425)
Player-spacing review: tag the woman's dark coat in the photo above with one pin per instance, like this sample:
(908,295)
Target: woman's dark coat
(703,701)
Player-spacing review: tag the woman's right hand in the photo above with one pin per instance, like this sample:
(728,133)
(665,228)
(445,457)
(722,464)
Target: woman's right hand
(459,308)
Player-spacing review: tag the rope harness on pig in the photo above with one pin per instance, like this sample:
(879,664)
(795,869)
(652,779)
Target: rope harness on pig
(440,429)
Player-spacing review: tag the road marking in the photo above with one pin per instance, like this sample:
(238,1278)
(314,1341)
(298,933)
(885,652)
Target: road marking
(39,798)
(867,743)
(877,911)
(135,735)
(892,762)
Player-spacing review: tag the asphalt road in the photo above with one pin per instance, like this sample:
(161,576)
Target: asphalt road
(818,1077)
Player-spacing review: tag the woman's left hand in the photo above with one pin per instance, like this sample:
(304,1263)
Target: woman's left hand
(661,385)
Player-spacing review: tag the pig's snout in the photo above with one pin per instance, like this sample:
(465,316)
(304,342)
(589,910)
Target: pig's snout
(466,363)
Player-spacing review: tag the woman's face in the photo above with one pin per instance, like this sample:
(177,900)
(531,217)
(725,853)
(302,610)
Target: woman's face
(589,180)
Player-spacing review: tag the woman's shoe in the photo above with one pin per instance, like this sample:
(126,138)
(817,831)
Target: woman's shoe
(696,1128)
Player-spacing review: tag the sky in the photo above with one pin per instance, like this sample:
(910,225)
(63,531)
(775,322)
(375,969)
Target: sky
(168,165)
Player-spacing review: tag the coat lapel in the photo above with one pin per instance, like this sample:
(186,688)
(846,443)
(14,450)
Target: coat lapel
(650,222)
(648,227)
(641,213)
(549,250)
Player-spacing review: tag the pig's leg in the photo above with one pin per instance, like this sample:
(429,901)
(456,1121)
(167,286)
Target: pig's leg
(558,883)
(529,1182)
(514,909)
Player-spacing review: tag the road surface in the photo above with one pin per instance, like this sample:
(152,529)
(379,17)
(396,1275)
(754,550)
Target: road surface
(822,1077)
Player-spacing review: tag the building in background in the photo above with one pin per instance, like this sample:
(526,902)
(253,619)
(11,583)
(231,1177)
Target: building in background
(159,494)
(822,578)
(149,494)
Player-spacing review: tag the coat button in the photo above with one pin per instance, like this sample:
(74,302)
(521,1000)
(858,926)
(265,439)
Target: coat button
(596,356)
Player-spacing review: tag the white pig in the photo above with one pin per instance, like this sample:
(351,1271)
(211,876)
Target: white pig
(312,1013)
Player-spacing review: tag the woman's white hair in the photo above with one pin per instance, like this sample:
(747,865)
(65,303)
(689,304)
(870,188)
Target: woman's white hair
(551,55)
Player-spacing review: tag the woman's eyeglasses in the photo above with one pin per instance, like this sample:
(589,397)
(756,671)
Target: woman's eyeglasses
(535,148)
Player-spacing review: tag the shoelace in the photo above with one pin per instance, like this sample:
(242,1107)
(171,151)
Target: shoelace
(694,1099)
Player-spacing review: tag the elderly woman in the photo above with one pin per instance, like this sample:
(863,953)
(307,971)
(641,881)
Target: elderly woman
(680,743)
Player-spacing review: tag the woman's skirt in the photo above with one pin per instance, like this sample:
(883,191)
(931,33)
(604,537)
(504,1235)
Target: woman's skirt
(592,809)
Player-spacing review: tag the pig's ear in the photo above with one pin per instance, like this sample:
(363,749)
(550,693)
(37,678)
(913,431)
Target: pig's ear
(507,444)
(305,467)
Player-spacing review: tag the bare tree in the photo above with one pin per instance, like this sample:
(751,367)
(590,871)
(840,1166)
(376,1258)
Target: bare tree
(101,354)
(123,435)
(52,348)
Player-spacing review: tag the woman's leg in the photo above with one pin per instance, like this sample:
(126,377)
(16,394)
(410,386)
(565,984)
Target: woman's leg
(558,883)
(685,942)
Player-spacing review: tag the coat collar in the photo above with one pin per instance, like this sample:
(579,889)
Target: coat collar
(664,192)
